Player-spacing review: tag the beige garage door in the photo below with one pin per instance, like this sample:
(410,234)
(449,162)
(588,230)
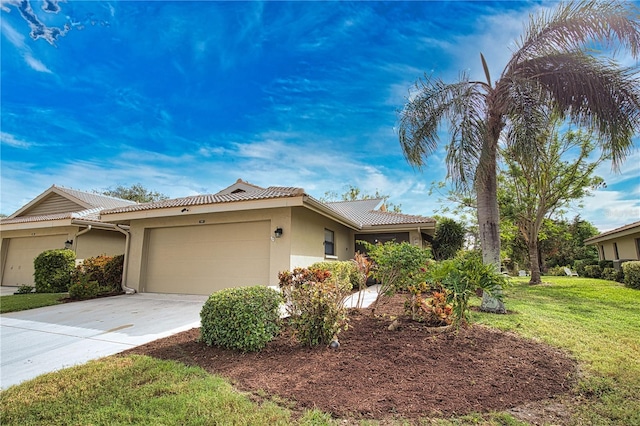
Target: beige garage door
(206,258)
(18,268)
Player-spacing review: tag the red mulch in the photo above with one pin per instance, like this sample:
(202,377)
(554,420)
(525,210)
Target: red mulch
(376,373)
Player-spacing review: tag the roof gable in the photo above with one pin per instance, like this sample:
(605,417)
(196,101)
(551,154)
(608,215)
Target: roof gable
(239,187)
(57,200)
(52,203)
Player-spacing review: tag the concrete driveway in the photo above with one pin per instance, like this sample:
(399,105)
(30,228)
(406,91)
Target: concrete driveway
(47,339)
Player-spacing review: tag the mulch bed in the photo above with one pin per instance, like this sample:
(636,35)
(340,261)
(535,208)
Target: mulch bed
(377,373)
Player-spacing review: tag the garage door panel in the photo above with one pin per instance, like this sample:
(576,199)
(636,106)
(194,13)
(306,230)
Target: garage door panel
(206,258)
(18,267)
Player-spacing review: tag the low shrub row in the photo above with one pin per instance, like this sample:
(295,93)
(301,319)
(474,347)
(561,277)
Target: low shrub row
(247,318)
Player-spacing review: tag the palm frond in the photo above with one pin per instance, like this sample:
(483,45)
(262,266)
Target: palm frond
(593,93)
(459,104)
(578,25)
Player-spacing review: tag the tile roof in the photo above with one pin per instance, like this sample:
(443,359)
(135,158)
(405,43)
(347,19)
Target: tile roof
(91,215)
(364,212)
(95,200)
(198,200)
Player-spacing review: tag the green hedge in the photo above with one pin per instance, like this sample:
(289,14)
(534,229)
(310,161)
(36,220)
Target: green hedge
(631,274)
(343,270)
(243,318)
(53,270)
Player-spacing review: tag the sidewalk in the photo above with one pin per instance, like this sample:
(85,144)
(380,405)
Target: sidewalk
(368,296)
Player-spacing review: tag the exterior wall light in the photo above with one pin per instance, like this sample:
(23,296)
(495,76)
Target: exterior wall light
(68,244)
(278,232)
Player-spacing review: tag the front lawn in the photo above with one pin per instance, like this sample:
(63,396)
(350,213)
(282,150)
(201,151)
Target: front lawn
(22,302)
(597,322)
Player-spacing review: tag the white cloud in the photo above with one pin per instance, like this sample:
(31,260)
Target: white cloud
(609,209)
(9,139)
(35,64)
(18,42)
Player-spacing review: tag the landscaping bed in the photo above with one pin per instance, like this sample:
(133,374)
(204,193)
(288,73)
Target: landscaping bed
(377,373)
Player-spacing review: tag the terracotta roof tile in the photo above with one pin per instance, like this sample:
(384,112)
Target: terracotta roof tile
(198,200)
(364,213)
(92,215)
(96,200)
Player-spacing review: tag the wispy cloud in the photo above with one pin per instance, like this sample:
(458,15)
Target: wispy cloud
(18,42)
(11,140)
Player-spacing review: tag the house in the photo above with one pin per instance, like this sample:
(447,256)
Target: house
(245,235)
(619,244)
(57,218)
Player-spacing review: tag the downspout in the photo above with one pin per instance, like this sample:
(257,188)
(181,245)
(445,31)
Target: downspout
(75,242)
(125,266)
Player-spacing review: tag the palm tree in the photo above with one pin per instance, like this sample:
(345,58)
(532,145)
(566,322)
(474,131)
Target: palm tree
(550,70)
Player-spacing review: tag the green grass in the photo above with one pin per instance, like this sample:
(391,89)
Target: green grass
(596,322)
(133,390)
(22,302)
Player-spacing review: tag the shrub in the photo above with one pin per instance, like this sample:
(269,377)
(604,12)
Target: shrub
(106,270)
(396,266)
(612,274)
(53,270)
(84,289)
(605,264)
(315,302)
(342,270)
(593,271)
(557,271)
(364,268)
(448,239)
(461,277)
(24,289)
(579,266)
(429,306)
(243,318)
(113,273)
(631,274)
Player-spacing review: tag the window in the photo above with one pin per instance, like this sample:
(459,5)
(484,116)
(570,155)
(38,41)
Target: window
(329,248)
(638,247)
(602,252)
(615,251)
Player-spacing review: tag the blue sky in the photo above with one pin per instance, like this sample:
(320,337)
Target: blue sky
(187,97)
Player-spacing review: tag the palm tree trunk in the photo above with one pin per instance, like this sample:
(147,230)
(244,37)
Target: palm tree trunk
(534,260)
(489,220)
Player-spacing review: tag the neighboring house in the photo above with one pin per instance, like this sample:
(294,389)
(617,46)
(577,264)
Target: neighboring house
(244,235)
(57,218)
(619,244)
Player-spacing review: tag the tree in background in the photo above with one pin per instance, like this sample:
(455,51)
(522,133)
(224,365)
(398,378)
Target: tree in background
(353,193)
(448,239)
(550,68)
(564,242)
(135,192)
(535,187)
(560,243)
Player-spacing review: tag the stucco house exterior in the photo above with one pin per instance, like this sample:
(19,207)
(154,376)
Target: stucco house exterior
(57,218)
(619,244)
(244,235)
